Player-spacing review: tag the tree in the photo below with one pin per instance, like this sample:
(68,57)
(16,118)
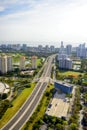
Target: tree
(59,127)
(73,126)
(4,96)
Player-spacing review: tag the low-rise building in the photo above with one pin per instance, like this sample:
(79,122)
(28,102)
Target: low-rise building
(64,87)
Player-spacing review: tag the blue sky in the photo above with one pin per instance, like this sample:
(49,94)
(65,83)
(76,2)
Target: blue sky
(43,20)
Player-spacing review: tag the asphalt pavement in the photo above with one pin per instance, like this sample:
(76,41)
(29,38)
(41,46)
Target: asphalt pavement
(26,111)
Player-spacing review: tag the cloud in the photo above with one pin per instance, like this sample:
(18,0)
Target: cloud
(44,20)
(2,8)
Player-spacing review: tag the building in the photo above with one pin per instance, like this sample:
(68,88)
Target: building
(62,56)
(4,88)
(3,64)
(40,48)
(81,51)
(22,62)
(61,50)
(24,47)
(65,63)
(34,62)
(52,48)
(9,64)
(64,87)
(68,49)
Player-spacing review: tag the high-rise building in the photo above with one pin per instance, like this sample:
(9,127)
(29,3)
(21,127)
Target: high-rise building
(52,48)
(68,49)
(62,56)
(34,62)
(81,51)
(4,64)
(9,63)
(40,47)
(22,62)
(24,47)
(61,50)
(65,63)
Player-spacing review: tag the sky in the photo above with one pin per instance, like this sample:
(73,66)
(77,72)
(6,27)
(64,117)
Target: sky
(43,20)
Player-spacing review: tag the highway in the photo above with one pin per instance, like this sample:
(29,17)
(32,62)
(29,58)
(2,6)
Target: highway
(25,112)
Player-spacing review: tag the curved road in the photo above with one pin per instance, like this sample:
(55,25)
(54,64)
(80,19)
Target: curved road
(21,117)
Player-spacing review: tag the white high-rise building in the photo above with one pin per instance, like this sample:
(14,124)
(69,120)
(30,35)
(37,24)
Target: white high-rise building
(68,49)
(9,63)
(4,64)
(22,62)
(34,62)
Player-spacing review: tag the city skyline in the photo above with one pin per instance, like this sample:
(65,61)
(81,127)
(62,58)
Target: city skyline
(43,21)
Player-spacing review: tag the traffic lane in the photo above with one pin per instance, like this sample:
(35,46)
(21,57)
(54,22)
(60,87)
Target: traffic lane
(30,110)
(7,127)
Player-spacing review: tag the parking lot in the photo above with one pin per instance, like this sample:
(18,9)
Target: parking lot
(59,106)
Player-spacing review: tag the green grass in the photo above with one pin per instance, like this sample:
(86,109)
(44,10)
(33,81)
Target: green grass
(17,103)
(38,114)
(67,73)
(38,62)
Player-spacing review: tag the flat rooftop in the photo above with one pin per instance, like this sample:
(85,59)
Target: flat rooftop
(63,83)
(59,106)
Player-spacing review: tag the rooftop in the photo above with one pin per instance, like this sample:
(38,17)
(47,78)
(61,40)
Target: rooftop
(63,83)
(59,106)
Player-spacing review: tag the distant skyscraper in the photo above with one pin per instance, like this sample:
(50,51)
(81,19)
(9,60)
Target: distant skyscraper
(40,47)
(68,49)
(61,51)
(34,62)
(81,51)
(24,47)
(46,48)
(22,63)
(52,48)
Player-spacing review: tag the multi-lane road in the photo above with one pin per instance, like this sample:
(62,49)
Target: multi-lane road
(25,112)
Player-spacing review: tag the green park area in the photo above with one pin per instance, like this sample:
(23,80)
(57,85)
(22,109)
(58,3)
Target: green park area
(16,104)
(70,73)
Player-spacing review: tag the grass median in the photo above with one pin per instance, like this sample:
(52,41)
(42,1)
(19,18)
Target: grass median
(17,103)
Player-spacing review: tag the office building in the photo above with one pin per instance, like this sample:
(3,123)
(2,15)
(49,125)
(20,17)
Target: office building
(64,87)
(68,49)
(34,62)
(52,48)
(22,63)
(81,51)
(61,50)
